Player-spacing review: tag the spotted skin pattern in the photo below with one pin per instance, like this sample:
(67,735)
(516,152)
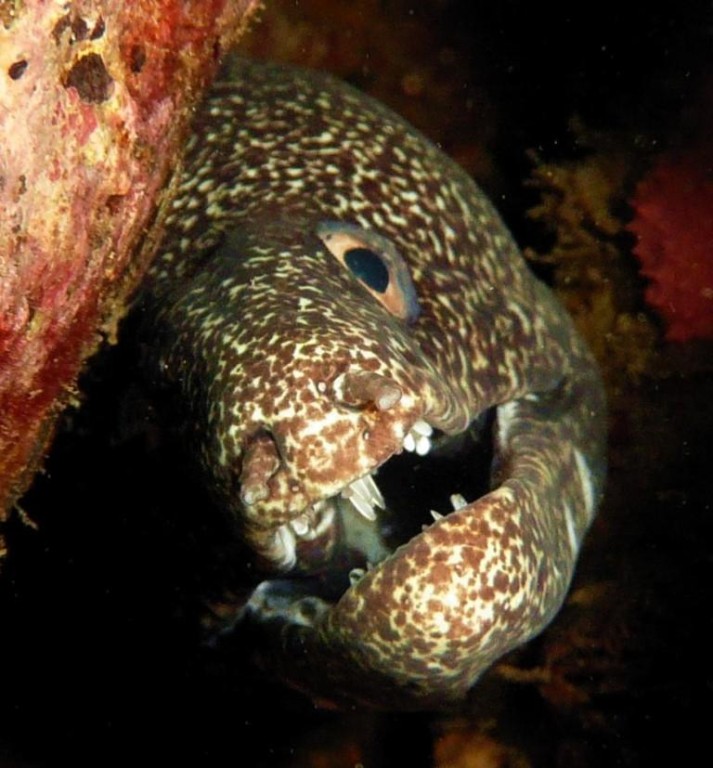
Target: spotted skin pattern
(254,326)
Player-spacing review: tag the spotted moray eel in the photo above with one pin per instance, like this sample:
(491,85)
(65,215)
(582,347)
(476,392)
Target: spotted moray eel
(332,289)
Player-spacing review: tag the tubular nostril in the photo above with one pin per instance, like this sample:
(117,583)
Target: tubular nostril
(260,463)
(360,388)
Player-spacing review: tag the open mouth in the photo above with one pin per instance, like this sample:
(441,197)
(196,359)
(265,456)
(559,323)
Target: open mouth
(434,475)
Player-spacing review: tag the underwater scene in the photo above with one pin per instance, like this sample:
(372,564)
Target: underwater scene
(141,623)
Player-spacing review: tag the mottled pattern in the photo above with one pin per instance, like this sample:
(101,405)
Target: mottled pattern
(254,326)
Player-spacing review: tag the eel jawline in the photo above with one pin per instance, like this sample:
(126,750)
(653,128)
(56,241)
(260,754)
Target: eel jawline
(309,538)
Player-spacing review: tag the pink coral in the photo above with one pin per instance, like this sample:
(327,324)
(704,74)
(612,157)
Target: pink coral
(95,100)
(673,223)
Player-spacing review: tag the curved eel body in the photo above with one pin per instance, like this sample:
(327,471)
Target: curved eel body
(332,288)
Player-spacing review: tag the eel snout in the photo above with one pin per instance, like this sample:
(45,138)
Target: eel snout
(301,474)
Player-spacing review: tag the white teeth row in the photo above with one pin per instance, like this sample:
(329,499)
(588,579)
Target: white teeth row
(418,439)
(364,494)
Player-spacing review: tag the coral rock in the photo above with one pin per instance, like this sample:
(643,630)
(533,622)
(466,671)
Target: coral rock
(674,230)
(95,100)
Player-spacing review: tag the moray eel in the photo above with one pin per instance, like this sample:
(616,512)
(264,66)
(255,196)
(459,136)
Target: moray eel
(331,290)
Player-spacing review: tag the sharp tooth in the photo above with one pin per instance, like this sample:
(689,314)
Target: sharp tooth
(285,547)
(436,515)
(375,492)
(300,525)
(458,502)
(364,508)
(367,489)
(423,445)
(325,511)
(410,443)
(422,428)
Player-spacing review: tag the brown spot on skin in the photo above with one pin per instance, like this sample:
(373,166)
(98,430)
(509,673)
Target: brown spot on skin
(487,594)
(401,573)
(439,574)
(422,647)
(501,581)
(90,78)
(17,70)
(113,203)
(387,631)
(76,24)
(511,531)
(80,30)
(541,581)
(59,28)
(137,58)
(472,557)
(98,30)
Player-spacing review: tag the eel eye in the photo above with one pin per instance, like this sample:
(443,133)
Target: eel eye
(375,262)
(369,267)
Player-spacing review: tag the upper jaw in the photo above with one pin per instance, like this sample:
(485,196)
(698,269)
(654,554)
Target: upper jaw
(307,539)
(302,477)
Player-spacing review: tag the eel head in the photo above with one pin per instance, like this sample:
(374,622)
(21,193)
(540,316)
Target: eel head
(311,384)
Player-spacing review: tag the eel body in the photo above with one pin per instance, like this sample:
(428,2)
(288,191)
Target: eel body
(332,289)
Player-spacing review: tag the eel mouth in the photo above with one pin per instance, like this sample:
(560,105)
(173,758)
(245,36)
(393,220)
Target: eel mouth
(360,526)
